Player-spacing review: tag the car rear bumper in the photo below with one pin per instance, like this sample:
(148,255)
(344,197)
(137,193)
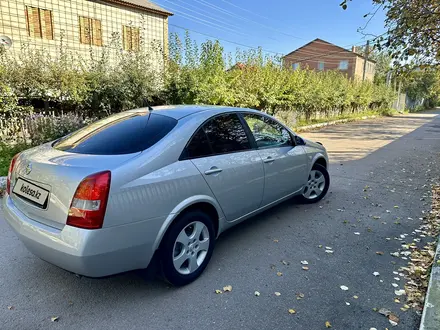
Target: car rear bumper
(93,253)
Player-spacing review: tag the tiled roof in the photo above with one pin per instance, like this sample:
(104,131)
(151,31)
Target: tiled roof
(143,4)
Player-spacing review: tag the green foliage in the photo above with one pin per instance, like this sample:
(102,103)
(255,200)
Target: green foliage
(413,31)
(424,85)
(42,129)
(200,75)
(8,151)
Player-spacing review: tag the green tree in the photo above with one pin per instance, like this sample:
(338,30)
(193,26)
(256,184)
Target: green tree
(413,31)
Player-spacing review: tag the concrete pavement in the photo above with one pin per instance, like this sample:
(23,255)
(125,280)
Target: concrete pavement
(376,165)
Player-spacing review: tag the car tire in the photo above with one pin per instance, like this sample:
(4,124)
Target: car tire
(191,239)
(317,185)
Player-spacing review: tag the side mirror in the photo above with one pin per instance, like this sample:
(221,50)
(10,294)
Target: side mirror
(299,141)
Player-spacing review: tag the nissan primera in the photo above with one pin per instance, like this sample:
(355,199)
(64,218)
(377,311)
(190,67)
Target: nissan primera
(168,181)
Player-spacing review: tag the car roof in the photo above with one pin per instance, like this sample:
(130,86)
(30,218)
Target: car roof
(180,111)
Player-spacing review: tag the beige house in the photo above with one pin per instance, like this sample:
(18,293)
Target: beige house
(84,27)
(321,55)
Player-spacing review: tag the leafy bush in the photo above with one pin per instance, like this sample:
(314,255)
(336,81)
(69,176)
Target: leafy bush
(194,74)
(42,129)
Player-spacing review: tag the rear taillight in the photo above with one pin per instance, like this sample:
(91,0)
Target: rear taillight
(11,169)
(90,202)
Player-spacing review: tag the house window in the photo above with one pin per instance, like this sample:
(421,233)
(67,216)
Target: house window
(295,66)
(321,66)
(130,38)
(39,23)
(90,31)
(343,65)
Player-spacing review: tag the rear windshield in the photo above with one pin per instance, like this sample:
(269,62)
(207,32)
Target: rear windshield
(123,133)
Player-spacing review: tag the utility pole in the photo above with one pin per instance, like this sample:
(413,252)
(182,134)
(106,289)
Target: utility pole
(367,52)
(398,96)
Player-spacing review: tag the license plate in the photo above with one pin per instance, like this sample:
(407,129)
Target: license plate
(30,191)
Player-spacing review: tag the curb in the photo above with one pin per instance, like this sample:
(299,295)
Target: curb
(431,311)
(339,121)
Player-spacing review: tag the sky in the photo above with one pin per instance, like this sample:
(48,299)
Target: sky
(278,26)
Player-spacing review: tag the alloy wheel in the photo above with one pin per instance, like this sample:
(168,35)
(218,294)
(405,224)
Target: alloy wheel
(191,247)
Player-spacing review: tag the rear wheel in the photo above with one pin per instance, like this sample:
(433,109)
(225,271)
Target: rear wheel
(317,185)
(187,248)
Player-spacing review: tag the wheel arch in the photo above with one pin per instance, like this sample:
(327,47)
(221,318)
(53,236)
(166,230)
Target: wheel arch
(321,161)
(204,203)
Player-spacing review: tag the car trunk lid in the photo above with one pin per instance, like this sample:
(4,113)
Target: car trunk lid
(53,176)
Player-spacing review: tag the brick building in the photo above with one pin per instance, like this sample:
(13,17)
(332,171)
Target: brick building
(321,55)
(84,27)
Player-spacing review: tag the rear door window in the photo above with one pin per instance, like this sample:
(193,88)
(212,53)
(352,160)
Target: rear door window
(226,134)
(123,133)
(199,146)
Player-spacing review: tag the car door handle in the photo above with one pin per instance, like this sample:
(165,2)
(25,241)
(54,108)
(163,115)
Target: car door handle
(213,170)
(269,160)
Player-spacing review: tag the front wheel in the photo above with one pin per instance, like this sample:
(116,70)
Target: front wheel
(187,248)
(317,185)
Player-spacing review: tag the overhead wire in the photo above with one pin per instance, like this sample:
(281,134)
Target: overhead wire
(226,40)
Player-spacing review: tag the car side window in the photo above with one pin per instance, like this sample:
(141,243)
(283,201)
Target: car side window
(226,134)
(199,145)
(267,132)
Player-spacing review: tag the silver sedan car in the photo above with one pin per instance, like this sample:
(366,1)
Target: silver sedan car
(164,182)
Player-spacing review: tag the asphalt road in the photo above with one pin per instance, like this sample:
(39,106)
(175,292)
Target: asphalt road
(394,157)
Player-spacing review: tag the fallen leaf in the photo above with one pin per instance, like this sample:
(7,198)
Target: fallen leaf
(227,288)
(344,288)
(399,292)
(284,262)
(357,233)
(376,274)
(328,324)
(305,268)
(374,309)
(393,318)
(397,300)
(11,308)
(279,274)
(256,293)
(54,318)
(277,294)
(299,296)
(395,285)
(329,251)
(320,246)
(275,240)
(355,297)
(379,253)
(376,217)
(218,291)
(384,311)
(396,207)
(328,248)
(347,303)
(292,311)
(304,262)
